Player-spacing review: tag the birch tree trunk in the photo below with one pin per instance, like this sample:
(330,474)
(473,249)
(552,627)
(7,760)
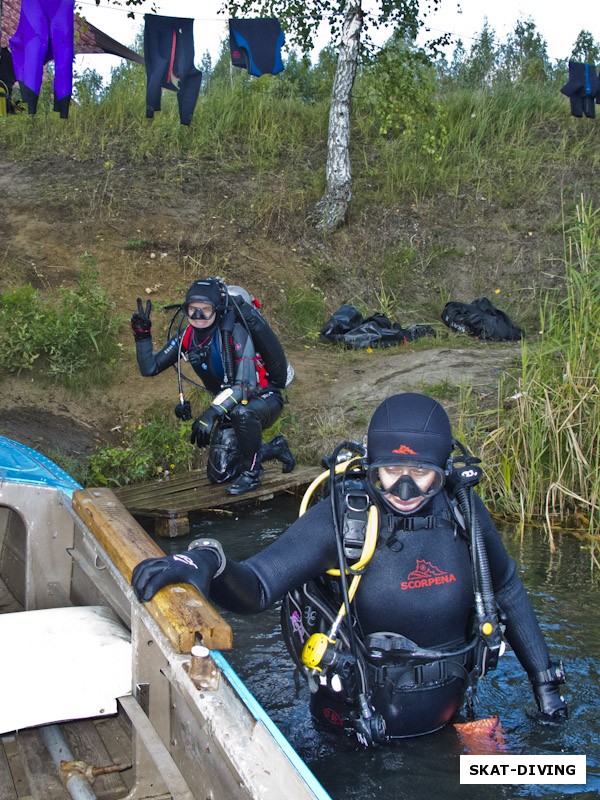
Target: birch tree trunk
(330,211)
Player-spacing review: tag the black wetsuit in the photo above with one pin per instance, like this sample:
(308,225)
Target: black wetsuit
(421,588)
(169,57)
(582,89)
(251,407)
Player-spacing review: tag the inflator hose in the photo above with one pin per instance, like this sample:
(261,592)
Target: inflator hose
(227,324)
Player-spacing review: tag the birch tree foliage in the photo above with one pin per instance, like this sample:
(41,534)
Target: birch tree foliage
(350,24)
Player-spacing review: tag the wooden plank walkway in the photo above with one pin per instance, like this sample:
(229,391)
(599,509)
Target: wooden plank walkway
(169,501)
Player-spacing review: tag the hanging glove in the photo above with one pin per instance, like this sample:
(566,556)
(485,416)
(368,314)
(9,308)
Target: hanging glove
(202,427)
(546,684)
(140,321)
(197,567)
(183,410)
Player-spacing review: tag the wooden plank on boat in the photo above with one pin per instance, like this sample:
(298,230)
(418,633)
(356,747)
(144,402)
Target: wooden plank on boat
(44,781)
(192,491)
(7,785)
(15,765)
(86,745)
(117,740)
(180,610)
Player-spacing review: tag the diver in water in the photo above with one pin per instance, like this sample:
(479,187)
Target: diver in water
(220,334)
(398,593)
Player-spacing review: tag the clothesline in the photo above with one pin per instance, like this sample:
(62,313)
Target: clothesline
(223,19)
(142,13)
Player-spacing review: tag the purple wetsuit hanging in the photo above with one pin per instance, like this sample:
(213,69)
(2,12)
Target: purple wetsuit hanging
(255,45)
(45,32)
(169,57)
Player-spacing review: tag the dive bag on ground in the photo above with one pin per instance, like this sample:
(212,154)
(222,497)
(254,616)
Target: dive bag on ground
(480,318)
(347,326)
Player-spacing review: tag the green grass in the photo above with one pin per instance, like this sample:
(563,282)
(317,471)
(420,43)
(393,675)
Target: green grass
(69,336)
(507,147)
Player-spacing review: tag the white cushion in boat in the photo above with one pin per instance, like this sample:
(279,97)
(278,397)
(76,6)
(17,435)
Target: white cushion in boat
(61,663)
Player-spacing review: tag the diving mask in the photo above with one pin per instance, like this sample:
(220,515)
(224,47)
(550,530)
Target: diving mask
(201,313)
(406,481)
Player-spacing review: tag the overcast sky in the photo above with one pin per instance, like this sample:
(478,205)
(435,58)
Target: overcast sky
(558,26)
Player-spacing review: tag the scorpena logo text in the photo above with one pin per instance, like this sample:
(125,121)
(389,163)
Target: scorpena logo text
(426,574)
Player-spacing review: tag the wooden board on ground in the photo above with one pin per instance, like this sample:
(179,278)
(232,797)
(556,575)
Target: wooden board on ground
(86,745)
(171,500)
(42,775)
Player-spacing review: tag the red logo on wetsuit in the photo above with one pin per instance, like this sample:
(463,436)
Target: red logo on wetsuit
(426,574)
(405,450)
(332,717)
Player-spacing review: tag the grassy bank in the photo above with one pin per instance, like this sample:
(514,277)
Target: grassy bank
(540,446)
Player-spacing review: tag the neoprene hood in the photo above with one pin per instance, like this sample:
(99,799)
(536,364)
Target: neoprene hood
(205,291)
(409,428)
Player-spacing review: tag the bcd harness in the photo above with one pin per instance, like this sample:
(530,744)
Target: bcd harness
(325,644)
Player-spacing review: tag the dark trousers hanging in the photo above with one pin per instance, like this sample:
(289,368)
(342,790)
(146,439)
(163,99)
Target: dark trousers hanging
(169,58)
(582,89)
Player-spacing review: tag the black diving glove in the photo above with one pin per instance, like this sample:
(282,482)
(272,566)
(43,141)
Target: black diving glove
(546,685)
(196,567)
(202,427)
(141,323)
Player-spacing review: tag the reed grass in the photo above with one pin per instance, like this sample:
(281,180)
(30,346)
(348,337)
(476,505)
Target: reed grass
(540,445)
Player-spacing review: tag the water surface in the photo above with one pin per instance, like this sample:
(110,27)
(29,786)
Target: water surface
(566,596)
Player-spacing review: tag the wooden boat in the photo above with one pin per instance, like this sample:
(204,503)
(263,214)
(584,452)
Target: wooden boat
(102,696)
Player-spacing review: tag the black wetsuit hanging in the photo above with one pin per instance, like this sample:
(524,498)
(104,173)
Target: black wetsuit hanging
(169,58)
(582,89)
(255,45)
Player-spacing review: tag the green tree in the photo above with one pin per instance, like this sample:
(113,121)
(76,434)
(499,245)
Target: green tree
(586,49)
(525,55)
(87,87)
(480,66)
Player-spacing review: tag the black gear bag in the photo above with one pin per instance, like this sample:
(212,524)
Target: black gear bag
(480,318)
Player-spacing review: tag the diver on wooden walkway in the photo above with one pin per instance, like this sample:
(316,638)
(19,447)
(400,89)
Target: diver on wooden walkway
(240,361)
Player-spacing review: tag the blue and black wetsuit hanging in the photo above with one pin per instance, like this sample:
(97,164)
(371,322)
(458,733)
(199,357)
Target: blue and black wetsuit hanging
(582,89)
(255,45)
(169,58)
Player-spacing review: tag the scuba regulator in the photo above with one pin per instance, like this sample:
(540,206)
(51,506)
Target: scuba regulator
(323,651)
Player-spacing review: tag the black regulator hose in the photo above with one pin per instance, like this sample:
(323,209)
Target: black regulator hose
(369,727)
(485,605)
(227,324)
